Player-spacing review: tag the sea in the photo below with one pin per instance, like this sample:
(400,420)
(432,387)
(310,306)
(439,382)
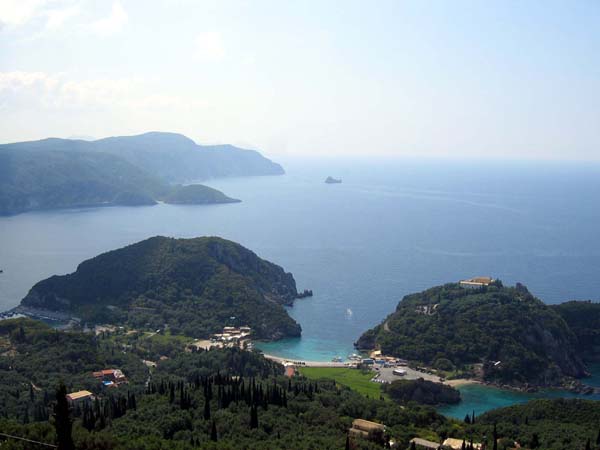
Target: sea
(391,228)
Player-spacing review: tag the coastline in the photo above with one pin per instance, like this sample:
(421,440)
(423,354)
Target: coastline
(39,314)
(303,363)
(461,382)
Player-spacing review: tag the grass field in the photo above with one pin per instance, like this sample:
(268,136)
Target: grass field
(352,378)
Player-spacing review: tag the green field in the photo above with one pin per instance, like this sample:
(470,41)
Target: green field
(353,378)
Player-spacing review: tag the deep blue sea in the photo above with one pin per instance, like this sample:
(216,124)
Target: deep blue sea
(391,228)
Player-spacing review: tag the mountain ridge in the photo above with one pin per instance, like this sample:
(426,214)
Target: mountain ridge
(171,156)
(192,285)
(132,170)
(512,335)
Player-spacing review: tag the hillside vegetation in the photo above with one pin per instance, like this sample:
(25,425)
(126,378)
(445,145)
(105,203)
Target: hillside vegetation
(34,359)
(583,317)
(545,424)
(195,286)
(57,179)
(220,399)
(132,170)
(515,336)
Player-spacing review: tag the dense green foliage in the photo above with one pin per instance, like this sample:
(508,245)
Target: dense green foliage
(357,380)
(558,424)
(225,399)
(35,359)
(515,336)
(196,194)
(194,286)
(218,399)
(583,317)
(421,391)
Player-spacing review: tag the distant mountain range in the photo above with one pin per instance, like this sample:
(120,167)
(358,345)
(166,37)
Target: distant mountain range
(132,170)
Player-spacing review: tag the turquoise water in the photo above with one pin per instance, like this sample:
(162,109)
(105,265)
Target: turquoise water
(309,349)
(481,398)
(391,228)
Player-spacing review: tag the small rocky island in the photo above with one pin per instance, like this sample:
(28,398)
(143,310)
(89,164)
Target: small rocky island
(331,180)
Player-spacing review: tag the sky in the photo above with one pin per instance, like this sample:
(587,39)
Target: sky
(475,79)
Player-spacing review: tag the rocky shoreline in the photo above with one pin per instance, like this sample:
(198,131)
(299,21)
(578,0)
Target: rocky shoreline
(570,385)
(38,313)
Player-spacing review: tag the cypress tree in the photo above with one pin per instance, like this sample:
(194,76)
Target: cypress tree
(62,421)
(253,417)
(348,443)
(206,409)
(413,446)
(588,445)
(598,438)
(535,441)
(213,432)
(467,418)
(495,438)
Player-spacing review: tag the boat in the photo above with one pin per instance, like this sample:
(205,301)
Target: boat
(354,357)
(331,180)
(337,359)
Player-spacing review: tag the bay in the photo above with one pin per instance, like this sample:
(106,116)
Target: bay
(390,229)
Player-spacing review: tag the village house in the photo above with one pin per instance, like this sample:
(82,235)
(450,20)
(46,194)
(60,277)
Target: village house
(290,370)
(421,444)
(367,430)
(79,398)
(477,282)
(232,336)
(110,377)
(456,444)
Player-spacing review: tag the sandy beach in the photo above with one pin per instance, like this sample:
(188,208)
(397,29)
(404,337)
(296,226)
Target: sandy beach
(301,363)
(461,382)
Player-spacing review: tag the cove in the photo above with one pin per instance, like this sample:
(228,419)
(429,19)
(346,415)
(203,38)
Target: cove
(482,398)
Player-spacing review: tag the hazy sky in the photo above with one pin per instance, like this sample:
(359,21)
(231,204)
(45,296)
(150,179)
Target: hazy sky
(518,79)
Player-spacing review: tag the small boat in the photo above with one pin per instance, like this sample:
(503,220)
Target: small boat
(337,359)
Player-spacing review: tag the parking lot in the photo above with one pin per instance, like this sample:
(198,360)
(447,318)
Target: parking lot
(386,374)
